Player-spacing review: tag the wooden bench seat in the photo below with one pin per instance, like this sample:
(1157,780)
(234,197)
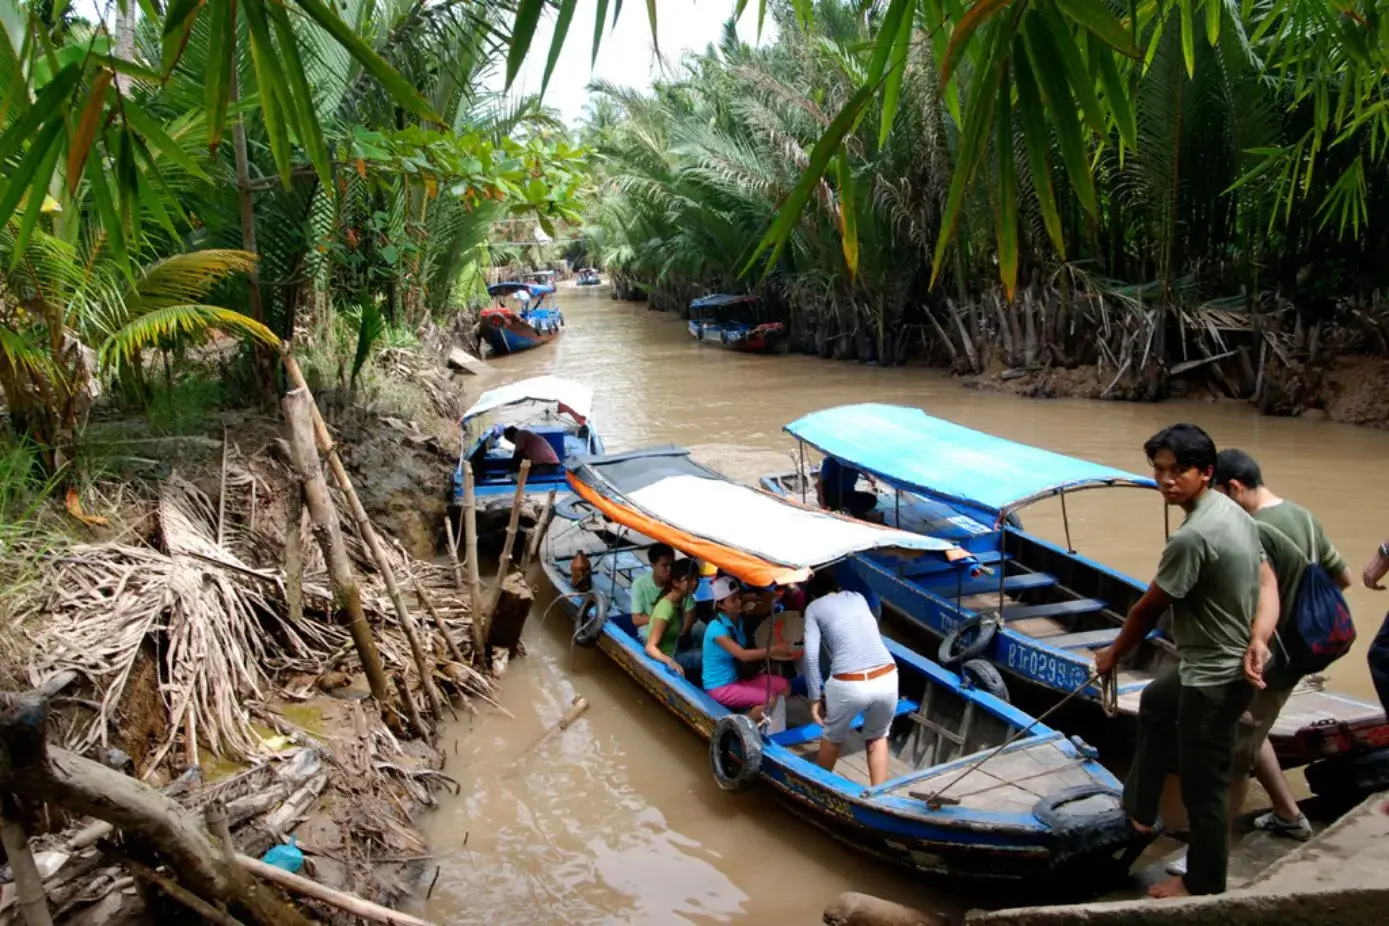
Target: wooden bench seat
(1088,639)
(950,586)
(1053,609)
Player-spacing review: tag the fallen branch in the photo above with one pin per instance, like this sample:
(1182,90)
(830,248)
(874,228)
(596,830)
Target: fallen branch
(343,901)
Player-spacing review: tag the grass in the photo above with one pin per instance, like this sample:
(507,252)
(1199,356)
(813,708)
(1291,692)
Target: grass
(187,407)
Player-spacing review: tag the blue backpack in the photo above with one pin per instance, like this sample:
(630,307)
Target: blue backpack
(1318,629)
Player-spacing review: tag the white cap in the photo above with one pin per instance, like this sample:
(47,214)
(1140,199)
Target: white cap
(723,587)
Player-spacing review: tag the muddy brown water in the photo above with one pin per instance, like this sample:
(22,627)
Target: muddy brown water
(618,820)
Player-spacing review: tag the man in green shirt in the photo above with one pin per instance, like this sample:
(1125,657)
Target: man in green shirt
(1212,577)
(1291,537)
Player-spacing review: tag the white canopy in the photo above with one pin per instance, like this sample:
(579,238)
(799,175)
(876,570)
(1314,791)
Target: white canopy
(576,397)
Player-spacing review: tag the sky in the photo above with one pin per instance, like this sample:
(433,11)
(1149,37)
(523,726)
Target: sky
(625,56)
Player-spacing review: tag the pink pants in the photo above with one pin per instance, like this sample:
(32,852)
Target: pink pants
(749,692)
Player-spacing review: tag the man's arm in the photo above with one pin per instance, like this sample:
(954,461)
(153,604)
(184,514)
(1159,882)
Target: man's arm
(1266,614)
(1376,568)
(1140,621)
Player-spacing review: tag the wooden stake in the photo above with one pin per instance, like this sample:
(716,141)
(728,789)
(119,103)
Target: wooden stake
(411,710)
(470,551)
(504,565)
(33,900)
(346,596)
(294,554)
(425,603)
(538,532)
(368,534)
(349,902)
(458,582)
(207,911)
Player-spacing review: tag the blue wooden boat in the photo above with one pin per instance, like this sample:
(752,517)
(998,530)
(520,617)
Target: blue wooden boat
(508,330)
(731,321)
(559,410)
(588,277)
(1046,608)
(1039,808)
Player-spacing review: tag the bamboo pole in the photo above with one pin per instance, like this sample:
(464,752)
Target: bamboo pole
(538,532)
(504,564)
(346,595)
(411,709)
(33,900)
(458,581)
(470,551)
(425,603)
(368,533)
(349,902)
(294,554)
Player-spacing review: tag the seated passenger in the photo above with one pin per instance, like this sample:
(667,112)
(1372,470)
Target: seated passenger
(836,489)
(671,622)
(726,649)
(533,447)
(646,588)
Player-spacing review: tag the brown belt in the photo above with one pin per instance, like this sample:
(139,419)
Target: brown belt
(879,672)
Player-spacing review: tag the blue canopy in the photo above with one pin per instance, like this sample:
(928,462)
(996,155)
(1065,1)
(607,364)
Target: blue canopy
(719,300)
(913,451)
(532,289)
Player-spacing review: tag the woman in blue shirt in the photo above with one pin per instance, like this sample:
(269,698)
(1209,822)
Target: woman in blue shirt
(726,646)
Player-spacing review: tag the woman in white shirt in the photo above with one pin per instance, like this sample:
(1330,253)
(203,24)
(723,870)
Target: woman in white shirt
(863,677)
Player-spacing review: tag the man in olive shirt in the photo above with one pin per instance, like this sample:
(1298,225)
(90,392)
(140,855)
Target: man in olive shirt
(1211,576)
(1291,537)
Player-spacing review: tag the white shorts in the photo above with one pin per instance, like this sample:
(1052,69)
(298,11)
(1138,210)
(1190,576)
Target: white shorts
(875,698)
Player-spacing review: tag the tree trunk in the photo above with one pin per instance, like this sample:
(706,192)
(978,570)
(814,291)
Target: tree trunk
(32,769)
(298,407)
(294,554)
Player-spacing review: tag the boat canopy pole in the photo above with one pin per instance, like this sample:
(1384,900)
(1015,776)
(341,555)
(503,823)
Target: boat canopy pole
(804,473)
(1066,522)
(1166,521)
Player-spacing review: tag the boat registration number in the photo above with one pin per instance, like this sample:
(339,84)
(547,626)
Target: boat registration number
(1050,670)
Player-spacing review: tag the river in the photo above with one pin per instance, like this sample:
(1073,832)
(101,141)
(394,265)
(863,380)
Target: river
(618,820)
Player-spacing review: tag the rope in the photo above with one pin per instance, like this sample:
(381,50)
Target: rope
(936,799)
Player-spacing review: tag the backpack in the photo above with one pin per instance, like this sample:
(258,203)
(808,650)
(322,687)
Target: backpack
(1318,629)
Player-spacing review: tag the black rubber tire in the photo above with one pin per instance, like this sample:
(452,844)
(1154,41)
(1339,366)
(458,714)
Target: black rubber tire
(592,615)
(1051,811)
(1339,777)
(982,675)
(983,628)
(574,508)
(736,729)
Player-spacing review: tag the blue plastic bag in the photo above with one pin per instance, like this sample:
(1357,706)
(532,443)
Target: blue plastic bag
(289,857)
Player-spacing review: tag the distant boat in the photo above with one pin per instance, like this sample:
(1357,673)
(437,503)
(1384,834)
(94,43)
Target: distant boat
(588,277)
(730,320)
(507,330)
(976,788)
(1047,608)
(559,410)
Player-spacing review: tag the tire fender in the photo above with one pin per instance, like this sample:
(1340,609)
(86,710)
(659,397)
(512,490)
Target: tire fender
(592,616)
(1055,810)
(981,674)
(954,650)
(735,770)
(574,508)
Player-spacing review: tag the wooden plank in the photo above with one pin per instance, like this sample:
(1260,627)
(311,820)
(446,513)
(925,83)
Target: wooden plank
(1088,639)
(948,586)
(1054,609)
(1039,628)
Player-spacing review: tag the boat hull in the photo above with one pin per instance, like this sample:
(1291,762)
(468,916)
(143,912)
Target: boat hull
(947,842)
(763,339)
(508,333)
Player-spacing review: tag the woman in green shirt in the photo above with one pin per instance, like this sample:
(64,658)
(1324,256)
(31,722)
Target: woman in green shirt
(670,620)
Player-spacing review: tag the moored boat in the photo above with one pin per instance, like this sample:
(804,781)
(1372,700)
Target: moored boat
(1047,608)
(509,330)
(976,788)
(558,410)
(588,277)
(732,321)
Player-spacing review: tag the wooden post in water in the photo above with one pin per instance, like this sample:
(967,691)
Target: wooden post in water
(538,532)
(504,565)
(470,551)
(346,595)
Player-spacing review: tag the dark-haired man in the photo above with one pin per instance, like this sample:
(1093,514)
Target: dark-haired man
(1291,537)
(533,447)
(836,488)
(646,588)
(1210,575)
